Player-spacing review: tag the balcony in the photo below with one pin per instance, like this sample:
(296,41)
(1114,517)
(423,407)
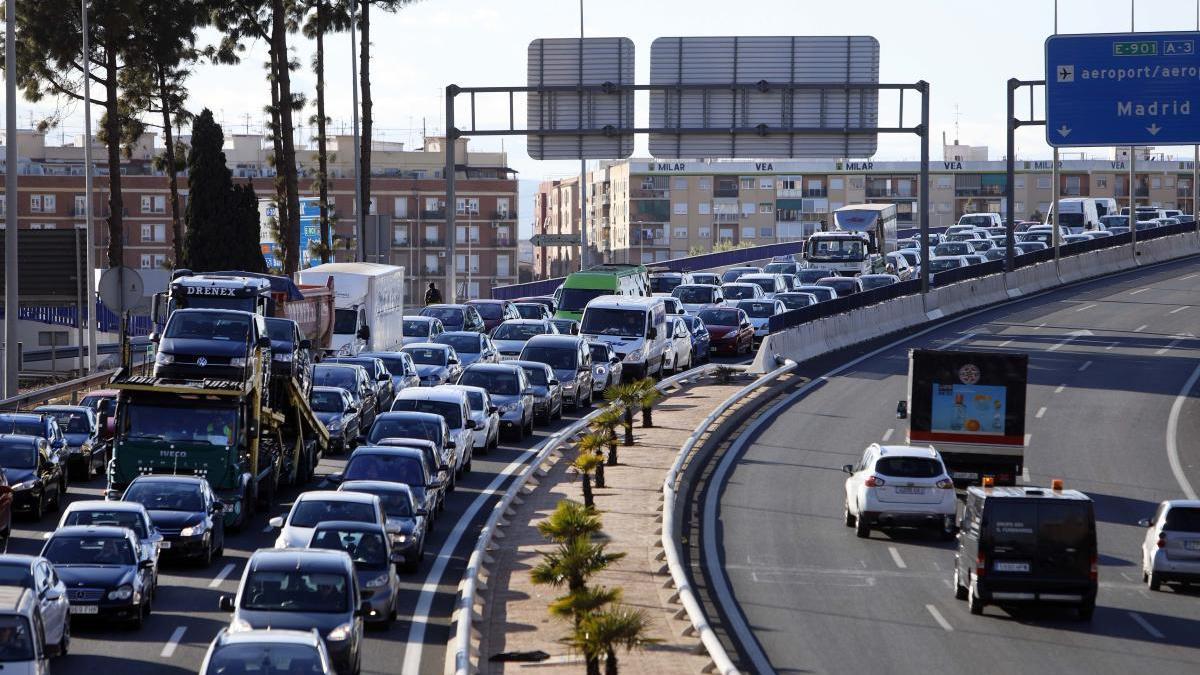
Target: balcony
(725,192)
(819,192)
(433,214)
(726,217)
(504,215)
(439,242)
(645,193)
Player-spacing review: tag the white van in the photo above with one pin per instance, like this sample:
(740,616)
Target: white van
(635,328)
(990,219)
(1076,213)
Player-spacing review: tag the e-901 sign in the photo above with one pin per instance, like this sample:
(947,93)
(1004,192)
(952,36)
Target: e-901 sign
(1143,48)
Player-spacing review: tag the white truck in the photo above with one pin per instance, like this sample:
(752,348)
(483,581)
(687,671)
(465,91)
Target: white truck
(368,305)
(863,235)
(990,219)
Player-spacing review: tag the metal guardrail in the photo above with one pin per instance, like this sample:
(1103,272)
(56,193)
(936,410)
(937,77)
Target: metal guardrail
(54,391)
(670,538)
(475,564)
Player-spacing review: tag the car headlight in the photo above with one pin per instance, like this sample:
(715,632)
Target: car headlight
(238,362)
(163,359)
(504,409)
(600,370)
(378,582)
(635,355)
(340,633)
(334,426)
(569,385)
(123,592)
(24,486)
(400,538)
(193,531)
(284,358)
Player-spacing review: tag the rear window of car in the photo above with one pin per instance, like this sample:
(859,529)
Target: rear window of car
(1183,520)
(909,467)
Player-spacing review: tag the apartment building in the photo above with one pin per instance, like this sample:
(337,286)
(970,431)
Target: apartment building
(407,187)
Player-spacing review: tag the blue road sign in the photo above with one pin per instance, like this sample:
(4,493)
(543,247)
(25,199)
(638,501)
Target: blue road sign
(1123,89)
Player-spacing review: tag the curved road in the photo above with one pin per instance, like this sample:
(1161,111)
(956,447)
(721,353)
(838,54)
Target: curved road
(817,599)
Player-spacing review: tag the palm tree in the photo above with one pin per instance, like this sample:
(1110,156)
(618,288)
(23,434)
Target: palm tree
(626,395)
(570,519)
(603,632)
(573,563)
(330,16)
(583,603)
(586,463)
(594,444)
(650,396)
(607,422)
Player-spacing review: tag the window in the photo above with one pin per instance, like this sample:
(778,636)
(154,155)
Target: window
(43,226)
(747,208)
(726,233)
(1019,207)
(1019,182)
(502,206)
(747,183)
(1101,182)
(1072,185)
(431,263)
(789,182)
(461,263)
(679,184)
(1168,181)
(647,258)
(1043,182)
(154,233)
(704,208)
(160,260)
(52,338)
(1043,207)
(766,207)
(680,233)
(80,204)
(400,235)
(465,205)
(502,265)
(147,261)
(704,232)
(1155,183)
(680,208)
(154,204)
(704,183)
(945,182)
(748,232)
(767,232)
(503,238)
(837,184)
(434,204)
(431,234)
(400,207)
(472,289)
(3,204)
(766,183)
(857,183)
(42,203)
(462,231)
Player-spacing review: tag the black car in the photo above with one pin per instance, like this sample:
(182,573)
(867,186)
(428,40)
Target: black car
(336,409)
(211,344)
(457,317)
(398,465)
(1027,544)
(291,353)
(80,426)
(102,571)
(36,424)
(185,511)
(407,521)
(353,379)
(377,373)
(35,474)
(532,310)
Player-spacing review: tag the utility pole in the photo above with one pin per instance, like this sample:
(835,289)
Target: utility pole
(359,207)
(89,237)
(11,299)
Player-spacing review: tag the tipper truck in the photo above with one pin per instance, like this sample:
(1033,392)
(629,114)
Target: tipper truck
(368,305)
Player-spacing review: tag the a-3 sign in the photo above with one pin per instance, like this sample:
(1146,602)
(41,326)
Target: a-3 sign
(1123,89)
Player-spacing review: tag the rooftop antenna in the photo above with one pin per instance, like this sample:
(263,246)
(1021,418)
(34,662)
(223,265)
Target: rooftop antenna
(957,115)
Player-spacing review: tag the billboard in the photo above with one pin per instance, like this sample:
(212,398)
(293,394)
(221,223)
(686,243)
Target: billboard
(967,397)
(310,232)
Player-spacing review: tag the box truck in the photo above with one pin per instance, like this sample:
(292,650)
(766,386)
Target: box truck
(368,301)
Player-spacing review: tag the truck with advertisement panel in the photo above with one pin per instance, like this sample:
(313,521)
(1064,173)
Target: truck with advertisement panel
(368,305)
(971,407)
(861,238)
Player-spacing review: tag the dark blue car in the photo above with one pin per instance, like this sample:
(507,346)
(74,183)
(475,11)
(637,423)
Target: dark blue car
(700,338)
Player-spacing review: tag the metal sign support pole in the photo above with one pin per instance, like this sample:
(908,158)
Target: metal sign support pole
(451,294)
(11,299)
(1054,206)
(90,235)
(359,207)
(923,87)
(1132,159)
(1010,190)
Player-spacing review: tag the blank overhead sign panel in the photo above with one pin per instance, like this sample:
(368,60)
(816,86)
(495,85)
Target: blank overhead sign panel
(798,108)
(561,63)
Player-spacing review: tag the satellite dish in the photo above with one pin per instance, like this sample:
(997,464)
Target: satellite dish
(121,290)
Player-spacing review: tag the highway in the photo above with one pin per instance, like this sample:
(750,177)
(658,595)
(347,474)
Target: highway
(1111,363)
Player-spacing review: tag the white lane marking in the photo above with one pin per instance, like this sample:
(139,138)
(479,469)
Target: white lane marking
(941,620)
(1171,344)
(1140,290)
(1059,388)
(1177,310)
(1085,366)
(896,558)
(1005,343)
(1110,346)
(1028,437)
(1041,411)
(1086,307)
(1141,621)
(1173,434)
(1040,325)
(1141,328)
(1073,335)
(888,434)
(168,649)
(1190,276)
(961,338)
(420,615)
(221,576)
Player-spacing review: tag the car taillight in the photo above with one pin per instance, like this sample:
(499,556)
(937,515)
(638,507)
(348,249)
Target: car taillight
(1162,542)
(945,484)
(1094,573)
(874,481)
(980,565)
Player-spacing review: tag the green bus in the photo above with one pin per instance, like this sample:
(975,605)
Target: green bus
(610,279)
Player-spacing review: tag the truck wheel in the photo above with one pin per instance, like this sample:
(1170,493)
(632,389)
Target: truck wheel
(960,591)
(974,603)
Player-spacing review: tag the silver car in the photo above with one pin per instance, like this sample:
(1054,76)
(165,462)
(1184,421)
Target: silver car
(370,547)
(436,363)
(232,651)
(511,392)
(510,337)
(606,366)
(420,329)
(1171,547)
(471,347)
(486,434)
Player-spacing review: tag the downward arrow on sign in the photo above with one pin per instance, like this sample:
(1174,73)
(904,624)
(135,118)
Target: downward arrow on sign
(1154,129)
(1064,131)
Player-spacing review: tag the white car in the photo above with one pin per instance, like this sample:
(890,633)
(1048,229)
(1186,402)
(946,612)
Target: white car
(738,290)
(313,508)
(771,283)
(674,305)
(453,406)
(679,345)
(486,434)
(1171,549)
(47,591)
(899,485)
(606,366)
(760,312)
(696,297)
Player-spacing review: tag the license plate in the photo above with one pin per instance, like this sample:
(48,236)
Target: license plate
(85,609)
(164,544)
(1004,566)
(1192,544)
(910,491)
(965,475)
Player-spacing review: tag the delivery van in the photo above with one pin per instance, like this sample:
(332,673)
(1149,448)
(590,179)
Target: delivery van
(635,328)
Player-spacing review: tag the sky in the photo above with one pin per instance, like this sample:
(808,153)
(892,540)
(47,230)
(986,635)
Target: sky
(965,49)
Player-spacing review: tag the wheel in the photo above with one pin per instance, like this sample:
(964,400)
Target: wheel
(140,619)
(946,531)
(470,458)
(861,528)
(974,603)
(529,426)
(206,559)
(847,517)
(39,507)
(64,643)
(960,591)
(1086,610)
(1153,581)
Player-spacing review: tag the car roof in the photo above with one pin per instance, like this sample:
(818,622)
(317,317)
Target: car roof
(350,524)
(446,306)
(563,341)
(409,414)
(21,416)
(429,394)
(106,531)
(464,388)
(740,283)
(526,322)
(325,389)
(624,301)
(450,333)
(759,275)
(63,408)
(427,345)
(338,365)
(1026,492)
(157,478)
(392,450)
(13,597)
(419,317)
(485,301)
(908,451)
(381,485)
(270,636)
(280,559)
(335,496)
(107,505)
(530,364)
(404,442)
(505,367)
(15,559)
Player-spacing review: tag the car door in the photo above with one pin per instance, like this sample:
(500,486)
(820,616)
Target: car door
(52,599)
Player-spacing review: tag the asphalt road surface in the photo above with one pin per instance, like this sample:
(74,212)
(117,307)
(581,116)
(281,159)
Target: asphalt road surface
(1109,361)
(186,617)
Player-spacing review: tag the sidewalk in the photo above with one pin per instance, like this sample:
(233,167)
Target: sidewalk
(514,614)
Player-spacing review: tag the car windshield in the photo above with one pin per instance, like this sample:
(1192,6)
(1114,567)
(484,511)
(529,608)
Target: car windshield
(599,352)
(1070,219)
(18,455)
(23,426)
(345,320)
(558,359)
(393,364)
(706,279)
(738,292)
(413,328)
(475,400)
(909,467)
(719,317)
(498,383)
(575,299)
(537,376)
(758,310)
(208,326)
(695,295)
(530,311)
(617,322)
(780,268)
(876,282)
(664,284)
(215,426)
(280,330)
(809,276)
(428,356)
(72,550)
(405,427)
(450,410)
(768,285)
(451,317)
(490,310)
(16,639)
(822,292)
(462,343)
(1183,519)
(16,575)
(842,248)
(333,376)
(295,591)
(394,468)
(312,512)
(71,421)
(326,401)
(979,221)
(396,504)
(164,496)
(368,550)
(265,658)
(944,264)
(127,519)
(952,248)
(794,301)
(518,331)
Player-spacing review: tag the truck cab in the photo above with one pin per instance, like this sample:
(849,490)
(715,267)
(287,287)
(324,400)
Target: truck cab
(212,291)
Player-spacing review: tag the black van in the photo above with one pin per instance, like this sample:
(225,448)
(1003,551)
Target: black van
(1027,544)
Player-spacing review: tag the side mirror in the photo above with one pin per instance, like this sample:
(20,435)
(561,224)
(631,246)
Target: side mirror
(1145,522)
(422,512)
(384,377)
(553,383)
(396,557)
(652,333)
(264,342)
(225,603)
(351,408)
(358,440)
(335,477)
(472,425)
(276,523)
(451,445)
(848,468)
(218,507)
(363,610)
(364,333)
(615,360)
(146,564)
(155,336)
(306,344)
(52,594)
(492,410)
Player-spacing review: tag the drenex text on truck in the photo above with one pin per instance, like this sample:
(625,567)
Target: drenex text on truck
(863,235)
